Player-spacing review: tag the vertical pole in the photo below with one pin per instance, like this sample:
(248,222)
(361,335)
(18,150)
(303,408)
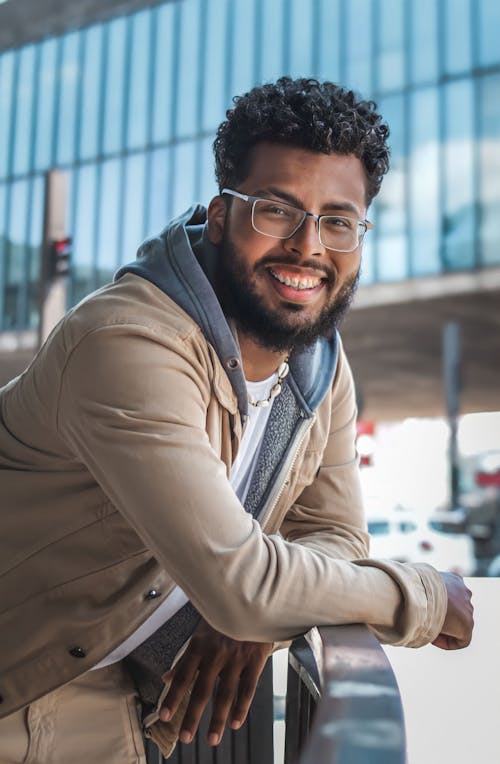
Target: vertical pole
(452,383)
(53,286)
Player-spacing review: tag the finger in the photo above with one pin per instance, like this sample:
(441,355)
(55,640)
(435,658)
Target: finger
(200,697)
(181,678)
(246,690)
(227,689)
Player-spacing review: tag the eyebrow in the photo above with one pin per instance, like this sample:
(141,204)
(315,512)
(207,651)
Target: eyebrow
(296,202)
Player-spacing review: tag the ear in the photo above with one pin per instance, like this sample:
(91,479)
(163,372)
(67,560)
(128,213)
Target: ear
(216,217)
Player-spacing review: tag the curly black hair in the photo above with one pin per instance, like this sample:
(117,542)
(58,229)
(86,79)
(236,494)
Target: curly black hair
(319,116)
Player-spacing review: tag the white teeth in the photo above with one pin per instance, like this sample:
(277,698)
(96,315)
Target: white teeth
(296,282)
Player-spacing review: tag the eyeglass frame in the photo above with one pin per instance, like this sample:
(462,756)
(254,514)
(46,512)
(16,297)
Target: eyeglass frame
(365,224)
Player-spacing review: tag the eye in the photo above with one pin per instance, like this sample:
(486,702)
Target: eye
(336,222)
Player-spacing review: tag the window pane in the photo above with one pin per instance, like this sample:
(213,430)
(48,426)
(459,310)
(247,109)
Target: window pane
(110,184)
(3,249)
(68,96)
(243,32)
(187,102)
(457,30)
(6,100)
(184,176)
(214,86)
(163,72)
(84,231)
(392,246)
(91,92)
(424,183)
(424,36)
(114,87)
(391,70)
(17,254)
(133,207)
(330,40)
(44,137)
(208,186)
(359,45)
(35,249)
(23,129)
(489,157)
(489,26)
(458,222)
(159,187)
(301,38)
(271,40)
(138,87)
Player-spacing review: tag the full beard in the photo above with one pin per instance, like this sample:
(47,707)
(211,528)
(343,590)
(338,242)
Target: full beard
(280,329)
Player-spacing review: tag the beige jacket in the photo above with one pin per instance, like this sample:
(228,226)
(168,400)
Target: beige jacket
(115,447)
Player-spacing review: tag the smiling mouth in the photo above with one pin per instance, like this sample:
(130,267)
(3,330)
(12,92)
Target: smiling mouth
(299,283)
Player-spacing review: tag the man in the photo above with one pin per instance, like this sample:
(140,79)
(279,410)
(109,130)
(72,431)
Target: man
(183,444)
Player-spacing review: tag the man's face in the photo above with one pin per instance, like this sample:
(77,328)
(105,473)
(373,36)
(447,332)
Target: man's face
(258,275)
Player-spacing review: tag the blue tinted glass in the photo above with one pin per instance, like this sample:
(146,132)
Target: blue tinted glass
(6,101)
(159,187)
(489,171)
(489,26)
(391,43)
(187,94)
(110,182)
(424,40)
(17,255)
(359,57)
(133,207)
(242,74)
(69,81)
(184,176)
(271,40)
(3,249)
(163,72)
(35,249)
(23,129)
(301,38)
(214,77)
(458,37)
(392,246)
(91,91)
(368,261)
(44,137)
(459,208)
(139,85)
(329,40)
(423,174)
(114,88)
(208,185)
(84,230)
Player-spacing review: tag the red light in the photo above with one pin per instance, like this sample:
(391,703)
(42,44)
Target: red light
(62,245)
(426,546)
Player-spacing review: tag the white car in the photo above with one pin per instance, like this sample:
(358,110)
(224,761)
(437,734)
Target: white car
(405,537)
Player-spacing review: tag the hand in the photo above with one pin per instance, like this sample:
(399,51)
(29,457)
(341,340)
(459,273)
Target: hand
(458,624)
(213,659)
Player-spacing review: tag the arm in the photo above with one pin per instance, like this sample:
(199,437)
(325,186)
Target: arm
(133,409)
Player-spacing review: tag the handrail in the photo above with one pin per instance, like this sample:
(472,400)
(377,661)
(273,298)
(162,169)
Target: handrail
(359,717)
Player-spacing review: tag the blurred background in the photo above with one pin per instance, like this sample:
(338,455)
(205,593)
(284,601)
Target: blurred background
(107,115)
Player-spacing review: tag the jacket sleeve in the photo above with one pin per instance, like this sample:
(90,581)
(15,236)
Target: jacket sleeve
(328,515)
(132,408)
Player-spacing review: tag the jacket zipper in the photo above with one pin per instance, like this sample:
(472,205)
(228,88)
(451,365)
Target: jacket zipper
(288,465)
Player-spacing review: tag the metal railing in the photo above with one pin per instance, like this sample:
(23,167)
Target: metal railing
(342,707)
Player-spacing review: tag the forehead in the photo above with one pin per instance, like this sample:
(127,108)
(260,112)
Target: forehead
(316,179)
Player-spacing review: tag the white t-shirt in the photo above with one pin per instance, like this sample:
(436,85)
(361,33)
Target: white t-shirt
(240,478)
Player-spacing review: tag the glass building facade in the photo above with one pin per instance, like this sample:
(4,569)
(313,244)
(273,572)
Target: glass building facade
(128,109)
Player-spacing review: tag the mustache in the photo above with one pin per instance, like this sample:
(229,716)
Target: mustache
(325,270)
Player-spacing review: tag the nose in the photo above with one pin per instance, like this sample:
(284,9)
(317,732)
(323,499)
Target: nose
(305,241)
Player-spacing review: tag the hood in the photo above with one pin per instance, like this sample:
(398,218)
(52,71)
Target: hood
(181,262)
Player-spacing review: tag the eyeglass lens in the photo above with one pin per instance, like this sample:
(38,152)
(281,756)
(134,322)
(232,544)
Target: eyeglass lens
(281,221)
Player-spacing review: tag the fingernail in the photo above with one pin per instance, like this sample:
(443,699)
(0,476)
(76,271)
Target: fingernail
(213,738)
(185,736)
(235,724)
(165,714)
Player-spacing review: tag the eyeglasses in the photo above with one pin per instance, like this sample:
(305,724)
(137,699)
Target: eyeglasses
(281,221)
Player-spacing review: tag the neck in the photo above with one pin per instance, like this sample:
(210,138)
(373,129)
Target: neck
(258,362)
